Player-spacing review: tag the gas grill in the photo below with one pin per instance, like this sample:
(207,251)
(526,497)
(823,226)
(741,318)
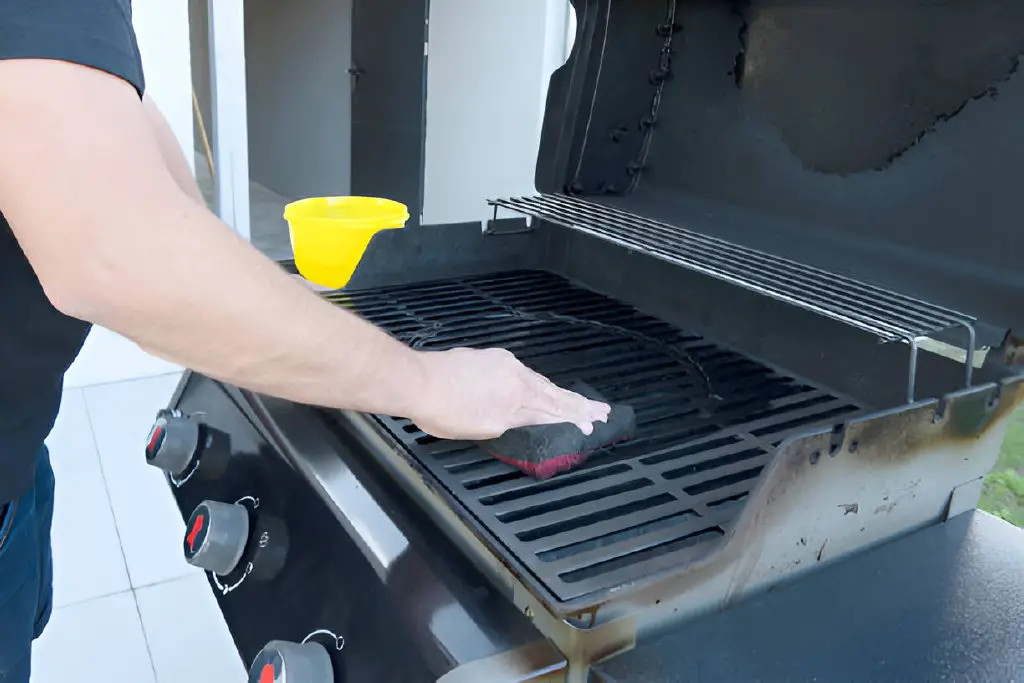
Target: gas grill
(785,235)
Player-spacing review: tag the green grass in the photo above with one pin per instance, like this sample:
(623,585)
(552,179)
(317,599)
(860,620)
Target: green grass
(1003,495)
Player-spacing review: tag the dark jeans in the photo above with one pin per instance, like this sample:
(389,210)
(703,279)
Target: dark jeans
(26,574)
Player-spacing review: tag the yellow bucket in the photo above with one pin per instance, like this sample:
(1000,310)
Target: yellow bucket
(330,234)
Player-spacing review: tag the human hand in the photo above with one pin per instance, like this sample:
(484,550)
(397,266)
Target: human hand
(476,395)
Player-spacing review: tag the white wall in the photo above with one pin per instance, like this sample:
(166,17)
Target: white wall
(298,54)
(163,33)
(299,97)
(487,75)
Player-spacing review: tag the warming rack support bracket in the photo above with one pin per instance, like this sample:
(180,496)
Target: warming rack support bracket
(890,316)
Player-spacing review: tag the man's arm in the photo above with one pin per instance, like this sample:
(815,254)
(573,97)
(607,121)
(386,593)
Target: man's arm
(170,150)
(115,241)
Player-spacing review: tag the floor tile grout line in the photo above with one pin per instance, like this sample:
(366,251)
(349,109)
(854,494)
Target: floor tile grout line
(162,582)
(106,488)
(122,380)
(117,530)
(92,598)
(145,636)
(124,558)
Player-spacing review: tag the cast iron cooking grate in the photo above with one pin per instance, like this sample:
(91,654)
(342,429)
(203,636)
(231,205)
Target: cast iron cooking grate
(708,422)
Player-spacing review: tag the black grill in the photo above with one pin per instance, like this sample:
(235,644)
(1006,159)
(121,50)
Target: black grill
(708,418)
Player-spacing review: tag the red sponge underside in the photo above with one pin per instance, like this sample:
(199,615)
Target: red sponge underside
(546,468)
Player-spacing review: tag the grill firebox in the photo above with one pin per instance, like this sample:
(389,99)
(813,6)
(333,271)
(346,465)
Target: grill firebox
(709,420)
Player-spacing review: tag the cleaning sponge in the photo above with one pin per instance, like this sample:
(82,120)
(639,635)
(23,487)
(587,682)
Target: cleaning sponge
(546,450)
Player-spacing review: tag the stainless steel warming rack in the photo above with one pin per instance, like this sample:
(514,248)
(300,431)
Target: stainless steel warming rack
(890,316)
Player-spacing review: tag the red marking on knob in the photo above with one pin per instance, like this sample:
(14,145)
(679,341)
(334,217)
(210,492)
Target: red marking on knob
(153,439)
(196,528)
(268,674)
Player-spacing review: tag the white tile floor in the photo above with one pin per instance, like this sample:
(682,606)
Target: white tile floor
(121,588)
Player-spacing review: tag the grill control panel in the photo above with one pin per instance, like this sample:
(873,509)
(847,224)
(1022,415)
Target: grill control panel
(278,561)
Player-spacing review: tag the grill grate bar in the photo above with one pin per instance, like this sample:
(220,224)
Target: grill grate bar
(640,492)
(685,526)
(570,545)
(523,491)
(613,477)
(658,501)
(886,314)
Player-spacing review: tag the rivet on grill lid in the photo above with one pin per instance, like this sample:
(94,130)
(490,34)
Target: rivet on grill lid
(618,133)
(634,168)
(837,438)
(658,76)
(666,29)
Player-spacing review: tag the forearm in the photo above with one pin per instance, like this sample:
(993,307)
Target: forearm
(125,248)
(213,303)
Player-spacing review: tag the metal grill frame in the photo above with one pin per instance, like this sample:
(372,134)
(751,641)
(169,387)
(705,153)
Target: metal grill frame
(693,524)
(890,316)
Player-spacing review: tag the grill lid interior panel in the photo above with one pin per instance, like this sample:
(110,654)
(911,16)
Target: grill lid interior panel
(878,140)
(708,421)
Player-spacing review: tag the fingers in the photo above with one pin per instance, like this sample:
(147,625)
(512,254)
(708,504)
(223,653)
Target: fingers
(550,404)
(529,418)
(586,427)
(567,403)
(562,405)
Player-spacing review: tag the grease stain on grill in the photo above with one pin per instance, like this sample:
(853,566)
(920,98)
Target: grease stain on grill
(708,423)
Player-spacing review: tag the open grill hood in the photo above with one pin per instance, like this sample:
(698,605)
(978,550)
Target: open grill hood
(879,141)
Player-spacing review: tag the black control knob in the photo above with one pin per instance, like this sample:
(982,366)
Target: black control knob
(173,442)
(229,539)
(283,662)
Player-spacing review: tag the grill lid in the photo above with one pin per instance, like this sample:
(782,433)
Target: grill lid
(880,141)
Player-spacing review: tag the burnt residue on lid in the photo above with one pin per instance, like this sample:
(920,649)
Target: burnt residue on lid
(879,141)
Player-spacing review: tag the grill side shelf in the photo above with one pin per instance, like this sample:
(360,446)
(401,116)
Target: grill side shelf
(890,316)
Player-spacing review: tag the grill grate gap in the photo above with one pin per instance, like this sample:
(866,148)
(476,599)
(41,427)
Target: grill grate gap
(721,482)
(569,501)
(731,500)
(688,542)
(595,517)
(632,532)
(708,422)
(714,463)
(576,478)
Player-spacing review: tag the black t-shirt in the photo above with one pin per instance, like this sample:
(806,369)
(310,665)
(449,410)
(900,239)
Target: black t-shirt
(38,343)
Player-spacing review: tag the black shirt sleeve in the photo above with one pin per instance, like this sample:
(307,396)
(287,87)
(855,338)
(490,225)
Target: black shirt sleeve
(93,33)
